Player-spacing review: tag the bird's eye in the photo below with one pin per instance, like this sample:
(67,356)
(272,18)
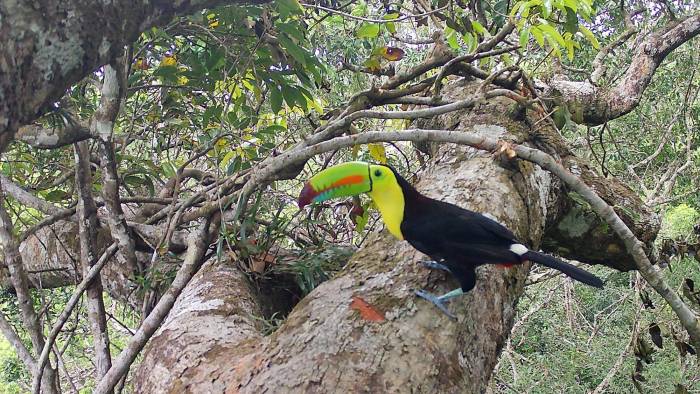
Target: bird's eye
(377,173)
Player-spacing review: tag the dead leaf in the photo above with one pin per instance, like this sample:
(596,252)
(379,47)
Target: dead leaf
(357,210)
(506,149)
(260,262)
(655,333)
(141,64)
(367,311)
(392,54)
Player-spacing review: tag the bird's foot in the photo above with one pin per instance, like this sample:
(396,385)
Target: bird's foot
(432,264)
(437,301)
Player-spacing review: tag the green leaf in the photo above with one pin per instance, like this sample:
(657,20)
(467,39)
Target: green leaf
(272,129)
(293,30)
(518,7)
(168,169)
(507,59)
(451,38)
(228,156)
(589,35)
(391,17)
(293,49)
(362,220)
(287,8)
(293,97)
(390,26)
(573,4)
(570,49)
(571,24)
(57,196)
(551,33)
(234,165)
(479,28)
(537,35)
(211,114)
(524,37)
(372,63)
(215,61)
(275,97)
(546,8)
(378,152)
(471,41)
(500,9)
(368,30)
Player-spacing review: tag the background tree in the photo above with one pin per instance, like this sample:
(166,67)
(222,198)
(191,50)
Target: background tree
(155,170)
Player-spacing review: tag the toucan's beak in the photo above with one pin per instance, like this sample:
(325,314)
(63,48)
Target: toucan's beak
(342,180)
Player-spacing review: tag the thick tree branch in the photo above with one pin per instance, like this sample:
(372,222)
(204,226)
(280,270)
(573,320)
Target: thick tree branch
(351,353)
(174,356)
(20,282)
(594,105)
(103,123)
(43,138)
(88,224)
(28,199)
(599,67)
(46,49)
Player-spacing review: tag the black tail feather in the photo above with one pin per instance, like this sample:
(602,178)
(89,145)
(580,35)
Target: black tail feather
(570,270)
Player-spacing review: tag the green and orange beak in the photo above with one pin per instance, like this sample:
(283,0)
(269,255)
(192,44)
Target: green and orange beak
(342,180)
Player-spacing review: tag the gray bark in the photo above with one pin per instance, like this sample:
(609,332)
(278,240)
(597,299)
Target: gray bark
(51,258)
(87,224)
(594,105)
(49,46)
(213,318)
(326,345)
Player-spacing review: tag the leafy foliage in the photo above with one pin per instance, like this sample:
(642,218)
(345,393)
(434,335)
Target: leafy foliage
(220,91)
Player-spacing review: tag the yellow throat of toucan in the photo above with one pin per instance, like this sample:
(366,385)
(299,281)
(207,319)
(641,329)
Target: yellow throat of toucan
(353,178)
(388,197)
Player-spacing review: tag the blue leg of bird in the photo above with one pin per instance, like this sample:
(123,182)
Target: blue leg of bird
(440,301)
(432,264)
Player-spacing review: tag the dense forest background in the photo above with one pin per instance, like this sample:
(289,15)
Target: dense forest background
(158,150)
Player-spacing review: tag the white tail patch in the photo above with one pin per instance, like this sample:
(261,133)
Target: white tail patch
(519,249)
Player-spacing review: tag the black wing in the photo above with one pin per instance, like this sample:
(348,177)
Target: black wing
(435,227)
(455,223)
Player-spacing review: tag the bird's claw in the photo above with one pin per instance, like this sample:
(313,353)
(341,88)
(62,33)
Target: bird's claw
(434,265)
(436,301)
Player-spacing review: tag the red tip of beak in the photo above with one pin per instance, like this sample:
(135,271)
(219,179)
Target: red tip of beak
(307,195)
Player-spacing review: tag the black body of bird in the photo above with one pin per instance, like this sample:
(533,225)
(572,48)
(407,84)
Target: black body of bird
(462,239)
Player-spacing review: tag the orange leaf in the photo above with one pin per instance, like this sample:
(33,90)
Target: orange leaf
(141,64)
(393,54)
(367,311)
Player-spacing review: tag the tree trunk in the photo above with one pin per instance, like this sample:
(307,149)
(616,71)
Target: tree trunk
(365,330)
(50,45)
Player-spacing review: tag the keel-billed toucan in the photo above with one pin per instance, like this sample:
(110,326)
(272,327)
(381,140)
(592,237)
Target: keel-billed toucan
(457,239)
